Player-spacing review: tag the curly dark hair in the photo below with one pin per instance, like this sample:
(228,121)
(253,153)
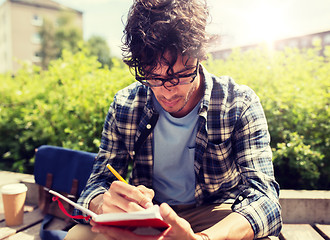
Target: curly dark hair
(158,26)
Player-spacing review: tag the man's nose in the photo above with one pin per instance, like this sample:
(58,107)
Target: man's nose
(168,91)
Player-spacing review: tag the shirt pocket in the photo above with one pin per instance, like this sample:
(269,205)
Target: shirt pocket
(219,166)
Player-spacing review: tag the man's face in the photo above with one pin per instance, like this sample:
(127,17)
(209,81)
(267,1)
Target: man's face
(178,100)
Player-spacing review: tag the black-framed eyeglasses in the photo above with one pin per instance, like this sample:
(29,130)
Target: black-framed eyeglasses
(177,79)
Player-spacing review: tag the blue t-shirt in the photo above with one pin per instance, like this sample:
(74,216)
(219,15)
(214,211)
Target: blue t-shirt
(174,154)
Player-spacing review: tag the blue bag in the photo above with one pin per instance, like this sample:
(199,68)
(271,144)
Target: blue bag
(65,171)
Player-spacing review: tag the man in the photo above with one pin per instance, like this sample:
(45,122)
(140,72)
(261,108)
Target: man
(197,143)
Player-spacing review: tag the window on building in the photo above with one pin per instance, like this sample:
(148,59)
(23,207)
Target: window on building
(316,40)
(293,43)
(36,57)
(36,38)
(326,39)
(305,42)
(37,20)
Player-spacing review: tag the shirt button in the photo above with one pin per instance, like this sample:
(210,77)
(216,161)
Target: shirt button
(240,198)
(148,126)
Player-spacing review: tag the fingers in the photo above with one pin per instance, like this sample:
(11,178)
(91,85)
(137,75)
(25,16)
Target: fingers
(180,228)
(124,197)
(169,215)
(148,196)
(110,204)
(146,191)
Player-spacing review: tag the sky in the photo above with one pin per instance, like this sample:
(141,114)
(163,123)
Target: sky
(238,22)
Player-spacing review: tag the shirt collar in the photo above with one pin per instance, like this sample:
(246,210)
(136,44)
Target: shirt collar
(208,85)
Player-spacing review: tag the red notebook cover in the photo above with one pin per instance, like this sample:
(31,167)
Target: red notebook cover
(153,222)
(147,218)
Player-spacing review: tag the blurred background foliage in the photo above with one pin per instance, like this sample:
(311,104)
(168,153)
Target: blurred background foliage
(293,86)
(66,105)
(66,35)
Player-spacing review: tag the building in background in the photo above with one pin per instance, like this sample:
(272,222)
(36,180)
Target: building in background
(300,42)
(20,22)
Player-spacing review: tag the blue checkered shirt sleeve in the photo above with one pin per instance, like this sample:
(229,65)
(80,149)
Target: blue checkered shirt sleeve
(259,201)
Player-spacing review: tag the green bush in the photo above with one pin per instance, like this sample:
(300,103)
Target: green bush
(293,86)
(66,106)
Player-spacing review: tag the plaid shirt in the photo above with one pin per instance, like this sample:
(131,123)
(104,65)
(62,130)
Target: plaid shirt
(233,159)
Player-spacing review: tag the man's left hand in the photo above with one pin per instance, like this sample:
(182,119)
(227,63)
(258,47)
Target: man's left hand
(179,229)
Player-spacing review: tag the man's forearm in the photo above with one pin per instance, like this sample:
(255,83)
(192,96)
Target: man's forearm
(234,226)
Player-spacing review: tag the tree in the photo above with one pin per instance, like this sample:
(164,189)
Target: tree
(48,50)
(67,35)
(64,35)
(99,47)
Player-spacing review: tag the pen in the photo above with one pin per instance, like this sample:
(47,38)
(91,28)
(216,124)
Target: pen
(116,173)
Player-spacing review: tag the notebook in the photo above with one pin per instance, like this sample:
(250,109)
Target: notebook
(148,218)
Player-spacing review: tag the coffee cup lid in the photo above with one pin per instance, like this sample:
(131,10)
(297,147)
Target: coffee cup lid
(14,188)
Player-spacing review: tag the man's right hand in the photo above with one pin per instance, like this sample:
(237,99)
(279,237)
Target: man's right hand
(122,197)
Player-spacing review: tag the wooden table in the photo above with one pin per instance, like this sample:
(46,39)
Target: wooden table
(33,217)
(29,230)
